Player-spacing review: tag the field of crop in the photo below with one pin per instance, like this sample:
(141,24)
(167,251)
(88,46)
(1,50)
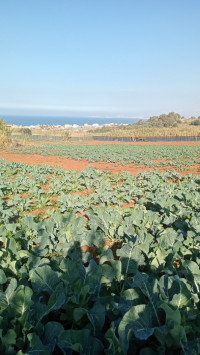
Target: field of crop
(96,263)
(177,157)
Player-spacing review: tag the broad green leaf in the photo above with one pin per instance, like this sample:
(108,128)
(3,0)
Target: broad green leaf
(175,331)
(36,347)
(21,301)
(43,278)
(57,298)
(131,258)
(137,320)
(96,315)
(52,331)
(7,296)
(149,287)
(183,297)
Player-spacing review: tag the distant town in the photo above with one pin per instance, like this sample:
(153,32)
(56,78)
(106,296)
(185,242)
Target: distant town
(86,127)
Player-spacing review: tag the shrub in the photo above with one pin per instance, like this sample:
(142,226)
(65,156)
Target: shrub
(66,136)
(4,135)
(195,122)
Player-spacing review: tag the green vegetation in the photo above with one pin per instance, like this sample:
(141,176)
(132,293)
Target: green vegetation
(58,297)
(171,124)
(177,157)
(170,120)
(196,122)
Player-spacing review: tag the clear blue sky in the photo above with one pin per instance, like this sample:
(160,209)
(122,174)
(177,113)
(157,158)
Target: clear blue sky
(115,58)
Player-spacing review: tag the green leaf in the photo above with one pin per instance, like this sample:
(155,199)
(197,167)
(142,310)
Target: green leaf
(21,301)
(138,321)
(192,273)
(57,299)
(131,257)
(129,298)
(96,315)
(3,277)
(73,339)
(79,313)
(43,278)
(6,297)
(176,333)
(183,297)
(149,287)
(167,238)
(35,345)
(7,342)
(114,343)
(52,331)
(171,314)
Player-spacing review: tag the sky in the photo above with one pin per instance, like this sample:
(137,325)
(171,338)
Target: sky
(99,58)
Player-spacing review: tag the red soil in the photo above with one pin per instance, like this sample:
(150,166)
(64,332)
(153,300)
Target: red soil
(45,187)
(79,214)
(40,211)
(24,195)
(128,204)
(83,192)
(114,246)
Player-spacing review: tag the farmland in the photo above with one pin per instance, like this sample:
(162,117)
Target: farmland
(140,155)
(96,262)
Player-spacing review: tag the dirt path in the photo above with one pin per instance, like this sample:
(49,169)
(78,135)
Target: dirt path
(78,165)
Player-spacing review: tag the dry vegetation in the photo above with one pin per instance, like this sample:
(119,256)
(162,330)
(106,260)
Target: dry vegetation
(6,141)
(128,131)
(4,137)
(151,132)
(171,124)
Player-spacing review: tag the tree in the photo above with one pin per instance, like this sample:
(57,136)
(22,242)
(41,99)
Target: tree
(26,131)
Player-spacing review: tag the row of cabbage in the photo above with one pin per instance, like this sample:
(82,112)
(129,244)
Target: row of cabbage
(58,297)
(148,155)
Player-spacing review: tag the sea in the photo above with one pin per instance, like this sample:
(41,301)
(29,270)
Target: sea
(61,120)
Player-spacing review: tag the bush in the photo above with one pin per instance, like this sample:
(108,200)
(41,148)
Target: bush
(66,136)
(172,119)
(195,122)
(25,131)
(4,134)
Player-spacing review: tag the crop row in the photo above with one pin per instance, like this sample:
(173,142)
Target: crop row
(98,264)
(174,156)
